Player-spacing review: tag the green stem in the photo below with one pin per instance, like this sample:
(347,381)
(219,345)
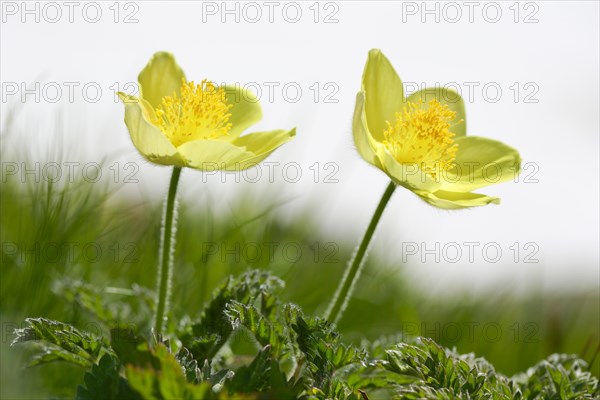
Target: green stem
(344,291)
(167,247)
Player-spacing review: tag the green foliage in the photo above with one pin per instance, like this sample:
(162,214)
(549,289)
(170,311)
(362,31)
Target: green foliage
(292,356)
(103,382)
(60,342)
(164,379)
(444,374)
(109,305)
(560,376)
(205,338)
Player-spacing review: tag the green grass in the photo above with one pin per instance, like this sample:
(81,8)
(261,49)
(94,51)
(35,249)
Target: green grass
(45,216)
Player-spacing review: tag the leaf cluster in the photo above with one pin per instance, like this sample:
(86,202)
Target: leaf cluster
(247,344)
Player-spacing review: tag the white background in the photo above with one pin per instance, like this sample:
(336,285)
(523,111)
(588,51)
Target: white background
(556,53)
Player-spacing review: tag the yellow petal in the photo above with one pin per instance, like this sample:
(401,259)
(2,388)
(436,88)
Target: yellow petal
(212,155)
(264,143)
(147,138)
(246,110)
(244,152)
(456,200)
(384,93)
(481,162)
(409,176)
(161,77)
(364,142)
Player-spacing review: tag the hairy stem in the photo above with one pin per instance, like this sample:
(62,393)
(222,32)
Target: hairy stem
(167,247)
(346,287)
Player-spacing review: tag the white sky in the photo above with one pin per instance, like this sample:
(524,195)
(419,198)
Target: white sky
(554,61)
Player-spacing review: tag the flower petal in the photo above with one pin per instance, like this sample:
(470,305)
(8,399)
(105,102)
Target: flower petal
(450,98)
(161,77)
(481,162)
(242,153)
(364,142)
(384,93)
(260,143)
(409,176)
(147,138)
(456,200)
(213,155)
(246,110)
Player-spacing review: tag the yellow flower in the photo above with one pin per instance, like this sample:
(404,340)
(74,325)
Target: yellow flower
(420,141)
(184,124)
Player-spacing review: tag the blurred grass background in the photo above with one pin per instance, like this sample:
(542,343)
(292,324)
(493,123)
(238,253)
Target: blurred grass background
(52,231)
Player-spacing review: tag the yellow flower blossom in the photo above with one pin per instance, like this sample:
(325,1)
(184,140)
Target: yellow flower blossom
(184,124)
(420,141)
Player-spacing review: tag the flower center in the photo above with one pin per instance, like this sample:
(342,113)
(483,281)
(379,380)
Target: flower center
(201,112)
(421,135)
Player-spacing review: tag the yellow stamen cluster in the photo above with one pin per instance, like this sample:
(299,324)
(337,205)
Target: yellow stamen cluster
(421,135)
(200,112)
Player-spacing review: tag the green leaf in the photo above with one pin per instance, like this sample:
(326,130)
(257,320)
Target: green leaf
(256,376)
(559,376)
(190,366)
(441,373)
(109,305)
(324,354)
(265,332)
(131,348)
(166,380)
(60,342)
(373,376)
(206,337)
(87,297)
(103,382)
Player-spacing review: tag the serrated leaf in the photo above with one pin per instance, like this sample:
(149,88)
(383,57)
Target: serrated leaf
(86,296)
(190,365)
(266,333)
(320,344)
(206,337)
(60,341)
(103,382)
(166,380)
(256,376)
(109,306)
